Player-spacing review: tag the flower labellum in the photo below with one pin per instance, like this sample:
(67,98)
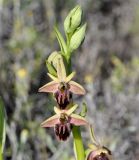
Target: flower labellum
(63,129)
(63,121)
(63,95)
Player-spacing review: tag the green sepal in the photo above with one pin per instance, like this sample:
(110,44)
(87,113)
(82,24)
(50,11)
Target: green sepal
(51,69)
(87,152)
(2,127)
(61,41)
(77,38)
(52,59)
(72,109)
(61,71)
(54,78)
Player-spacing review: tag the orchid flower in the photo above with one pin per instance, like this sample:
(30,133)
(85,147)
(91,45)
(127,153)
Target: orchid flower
(62,86)
(63,121)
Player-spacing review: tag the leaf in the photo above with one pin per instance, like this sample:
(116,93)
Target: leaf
(2,126)
(61,41)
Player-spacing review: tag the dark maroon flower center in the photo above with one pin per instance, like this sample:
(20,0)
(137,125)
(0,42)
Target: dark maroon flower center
(63,95)
(63,129)
(102,156)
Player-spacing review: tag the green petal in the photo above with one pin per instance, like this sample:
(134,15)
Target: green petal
(51,122)
(57,110)
(71,110)
(78,120)
(53,77)
(69,77)
(51,87)
(76,88)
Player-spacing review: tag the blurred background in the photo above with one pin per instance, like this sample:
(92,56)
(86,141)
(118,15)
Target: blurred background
(107,65)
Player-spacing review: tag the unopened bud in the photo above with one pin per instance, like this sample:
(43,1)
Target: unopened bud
(77,38)
(99,154)
(73,20)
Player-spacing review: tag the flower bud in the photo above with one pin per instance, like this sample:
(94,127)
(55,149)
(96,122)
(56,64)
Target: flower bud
(100,154)
(77,38)
(73,20)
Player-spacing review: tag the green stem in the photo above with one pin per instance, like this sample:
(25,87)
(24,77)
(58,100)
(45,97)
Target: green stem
(78,144)
(1,158)
(69,69)
(77,138)
(1,155)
